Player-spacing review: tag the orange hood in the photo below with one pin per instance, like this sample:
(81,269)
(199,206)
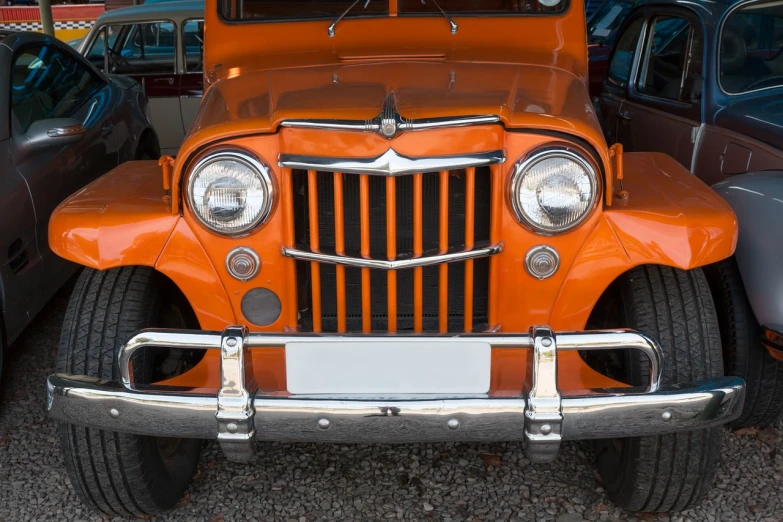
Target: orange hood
(531,96)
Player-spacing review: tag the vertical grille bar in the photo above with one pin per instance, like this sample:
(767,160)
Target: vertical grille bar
(494,237)
(339,244)
(470,214)
(391,251)
(443,246)
(418,249)
(315,268)
(289,240)
(364,198)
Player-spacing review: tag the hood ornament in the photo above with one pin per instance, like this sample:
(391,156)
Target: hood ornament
(389,123)
(389,120)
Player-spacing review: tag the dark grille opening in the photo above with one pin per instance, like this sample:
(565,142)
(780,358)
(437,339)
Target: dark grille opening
(404,190)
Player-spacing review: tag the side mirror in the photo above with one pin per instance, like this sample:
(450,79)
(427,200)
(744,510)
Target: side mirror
(43,134)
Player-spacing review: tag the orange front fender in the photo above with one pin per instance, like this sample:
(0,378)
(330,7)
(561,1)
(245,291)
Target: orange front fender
(670,218)
(119,219)
(124,219)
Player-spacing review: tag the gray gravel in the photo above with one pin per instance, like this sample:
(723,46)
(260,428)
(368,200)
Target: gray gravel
(307,482)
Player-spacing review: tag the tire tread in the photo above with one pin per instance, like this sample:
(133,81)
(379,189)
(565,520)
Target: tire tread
(673,471)
(108,469)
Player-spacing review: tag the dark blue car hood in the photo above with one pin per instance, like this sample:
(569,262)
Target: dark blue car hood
(759,117)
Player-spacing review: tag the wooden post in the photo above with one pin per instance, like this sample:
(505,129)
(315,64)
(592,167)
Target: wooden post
(46,16)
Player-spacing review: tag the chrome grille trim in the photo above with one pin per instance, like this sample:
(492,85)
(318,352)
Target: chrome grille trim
(399,264)
(374,125)
(391,163)
(390,122)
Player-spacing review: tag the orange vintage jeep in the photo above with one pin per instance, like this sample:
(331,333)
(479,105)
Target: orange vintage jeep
(393,221)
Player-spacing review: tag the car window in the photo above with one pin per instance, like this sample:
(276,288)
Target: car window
(622,59)
(98,45)
(193,42)
(751,48)
(47,82)
(672,64)
(148,48)
(607,19)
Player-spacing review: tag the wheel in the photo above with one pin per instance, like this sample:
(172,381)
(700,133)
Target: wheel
(119,473)
(674,471)
(148,148)
(743,353)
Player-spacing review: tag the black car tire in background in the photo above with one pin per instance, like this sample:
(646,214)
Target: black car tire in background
(743,353)
(120,473)
(674,471)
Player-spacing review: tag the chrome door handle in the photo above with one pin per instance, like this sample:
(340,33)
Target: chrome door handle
(624,115)
(170,81)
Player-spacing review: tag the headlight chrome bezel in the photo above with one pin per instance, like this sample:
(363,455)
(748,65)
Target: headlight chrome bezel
(547,152)
(261,169)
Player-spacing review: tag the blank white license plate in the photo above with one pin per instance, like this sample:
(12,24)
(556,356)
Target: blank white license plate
(388,367)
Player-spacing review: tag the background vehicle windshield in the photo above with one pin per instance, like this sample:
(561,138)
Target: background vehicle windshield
(607,19)
(751,48)
(277,10)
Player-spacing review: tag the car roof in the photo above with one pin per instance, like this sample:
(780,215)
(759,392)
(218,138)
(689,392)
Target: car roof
(176,10)
(10,38)
(715,7)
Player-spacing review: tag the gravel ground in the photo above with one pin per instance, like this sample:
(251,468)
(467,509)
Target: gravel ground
(307,482)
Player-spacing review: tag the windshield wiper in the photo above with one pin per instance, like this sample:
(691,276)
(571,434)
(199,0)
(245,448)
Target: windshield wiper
(452,23)
(330,30)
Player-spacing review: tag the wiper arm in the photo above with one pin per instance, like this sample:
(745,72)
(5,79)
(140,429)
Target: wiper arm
(330,30)
(452,23)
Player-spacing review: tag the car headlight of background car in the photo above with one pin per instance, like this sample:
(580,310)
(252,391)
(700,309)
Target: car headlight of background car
(230,192)
(553,190)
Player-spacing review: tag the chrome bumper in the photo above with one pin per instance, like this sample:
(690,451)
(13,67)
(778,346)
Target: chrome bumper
(238,412)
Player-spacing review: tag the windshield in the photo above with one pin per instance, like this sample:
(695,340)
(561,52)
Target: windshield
(280,10)
(751,48)
(607,19)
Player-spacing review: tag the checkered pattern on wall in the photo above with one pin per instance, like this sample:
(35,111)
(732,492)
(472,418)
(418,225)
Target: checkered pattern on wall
(36,26)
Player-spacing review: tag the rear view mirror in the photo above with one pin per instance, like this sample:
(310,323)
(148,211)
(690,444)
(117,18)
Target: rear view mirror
(54,132)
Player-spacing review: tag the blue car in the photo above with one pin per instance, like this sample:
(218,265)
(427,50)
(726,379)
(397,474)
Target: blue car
(703,82)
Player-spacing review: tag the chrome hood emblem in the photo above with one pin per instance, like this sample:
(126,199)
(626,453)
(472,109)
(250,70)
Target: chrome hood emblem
(389,123)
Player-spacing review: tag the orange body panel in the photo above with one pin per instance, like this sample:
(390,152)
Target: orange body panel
(105,223)
(529,71)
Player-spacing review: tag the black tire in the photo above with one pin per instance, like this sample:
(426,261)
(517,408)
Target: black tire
(743,354)
(666,472)
(119,473)
(148,148)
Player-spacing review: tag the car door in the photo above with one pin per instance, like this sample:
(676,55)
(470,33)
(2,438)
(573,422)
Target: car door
(146,52)
(19,259)
(49,82)
(662,109)
(58,135)
(192,80)
(618,76)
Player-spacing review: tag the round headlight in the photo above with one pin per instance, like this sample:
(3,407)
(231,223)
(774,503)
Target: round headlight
(230,192)
(553,190)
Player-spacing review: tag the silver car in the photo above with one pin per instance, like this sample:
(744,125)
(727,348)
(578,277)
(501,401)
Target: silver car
(160,45)
(62,124)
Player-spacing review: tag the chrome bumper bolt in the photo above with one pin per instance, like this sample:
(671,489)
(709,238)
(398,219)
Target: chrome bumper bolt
(453,424)
(324,424)
(114,412)
(667,415)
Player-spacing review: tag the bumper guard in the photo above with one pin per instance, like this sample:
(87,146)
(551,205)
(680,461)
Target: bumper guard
(239,412)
